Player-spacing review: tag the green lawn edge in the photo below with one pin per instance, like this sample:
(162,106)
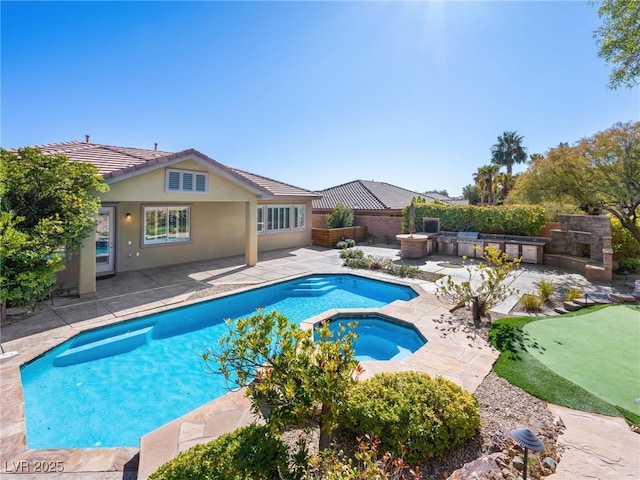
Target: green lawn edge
(516,365)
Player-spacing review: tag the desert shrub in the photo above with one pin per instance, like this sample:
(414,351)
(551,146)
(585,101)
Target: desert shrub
(377,262)
(573,293)
(631,265)
(351,253)
(341,245)
(412,413)
(402,271)
(546,288)
(367,465)
(355,258)
(350,242)
(531,303)
(248,453)
(340,217)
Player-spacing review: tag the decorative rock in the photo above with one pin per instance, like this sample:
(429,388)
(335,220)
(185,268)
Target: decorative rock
(501,459)
(622,298)
(571,306)
(549,463)
(483,468)
(518,463)
(499,441)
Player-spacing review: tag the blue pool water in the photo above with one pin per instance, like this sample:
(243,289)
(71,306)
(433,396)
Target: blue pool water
(380,337)
(110,386)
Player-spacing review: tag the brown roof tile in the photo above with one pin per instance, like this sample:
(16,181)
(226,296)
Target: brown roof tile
(372,195)
(365,195)
(113,162)
(273,187)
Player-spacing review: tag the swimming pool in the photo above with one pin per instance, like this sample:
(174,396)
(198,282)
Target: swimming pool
(108,387)
(380,337)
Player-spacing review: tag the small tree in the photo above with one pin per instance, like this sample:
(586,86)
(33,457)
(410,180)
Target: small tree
(49,207)
(490,291)
(341,216)
(284,370)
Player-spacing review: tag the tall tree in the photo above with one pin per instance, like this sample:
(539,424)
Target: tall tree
(508,150)
(486,181)
(49,207)
(505,183)
(471,193)
(599,172)
(618,40)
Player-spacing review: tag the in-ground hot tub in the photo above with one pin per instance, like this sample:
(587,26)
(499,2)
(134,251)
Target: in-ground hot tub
(380,337)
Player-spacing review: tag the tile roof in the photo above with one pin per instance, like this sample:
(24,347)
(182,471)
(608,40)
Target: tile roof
(113,161)
(274,187)
(366,195)
(109,159)
(372,195)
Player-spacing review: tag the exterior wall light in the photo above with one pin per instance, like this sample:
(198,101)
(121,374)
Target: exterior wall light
(128,216)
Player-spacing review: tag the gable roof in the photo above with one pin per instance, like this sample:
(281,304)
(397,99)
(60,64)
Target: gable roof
(372,195)
(365,195)
(114,162)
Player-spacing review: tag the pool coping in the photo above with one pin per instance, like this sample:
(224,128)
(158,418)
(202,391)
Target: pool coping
(17,458)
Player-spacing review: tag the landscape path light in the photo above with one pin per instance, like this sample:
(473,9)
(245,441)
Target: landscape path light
(528,440)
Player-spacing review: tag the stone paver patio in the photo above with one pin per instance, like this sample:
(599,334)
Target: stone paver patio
(461,359)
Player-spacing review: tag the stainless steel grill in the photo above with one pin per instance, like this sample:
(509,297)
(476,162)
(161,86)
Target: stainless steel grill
(469,245)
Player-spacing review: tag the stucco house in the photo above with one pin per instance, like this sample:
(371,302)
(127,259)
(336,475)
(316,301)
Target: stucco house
(166,208)
(376,205)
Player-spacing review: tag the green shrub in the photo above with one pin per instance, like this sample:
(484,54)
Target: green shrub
(631,265)
(531,303)
(623,242)
(341,245)
(546,288)
(248,453)
(573,293)
(525,220)
(413,414)
(340,217)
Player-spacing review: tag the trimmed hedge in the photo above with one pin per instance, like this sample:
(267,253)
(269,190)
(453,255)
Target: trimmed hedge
(526,220)
(414,415)
(248,453)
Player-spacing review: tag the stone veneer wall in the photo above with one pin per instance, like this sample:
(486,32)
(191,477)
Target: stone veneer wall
(578,231)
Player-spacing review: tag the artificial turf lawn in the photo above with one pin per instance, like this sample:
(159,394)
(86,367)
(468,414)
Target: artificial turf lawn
(589,361)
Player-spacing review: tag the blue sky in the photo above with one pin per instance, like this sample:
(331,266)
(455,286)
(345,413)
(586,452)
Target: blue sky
(315,94)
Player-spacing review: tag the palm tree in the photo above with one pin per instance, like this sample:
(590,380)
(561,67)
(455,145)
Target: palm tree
(505,185)
(535,157)
(508,150)
(485,179)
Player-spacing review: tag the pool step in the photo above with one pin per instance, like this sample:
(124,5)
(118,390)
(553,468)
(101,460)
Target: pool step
(311,290)
(312,286)
(103,348)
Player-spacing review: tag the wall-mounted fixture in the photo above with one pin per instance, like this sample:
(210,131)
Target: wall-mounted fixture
(128,216)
